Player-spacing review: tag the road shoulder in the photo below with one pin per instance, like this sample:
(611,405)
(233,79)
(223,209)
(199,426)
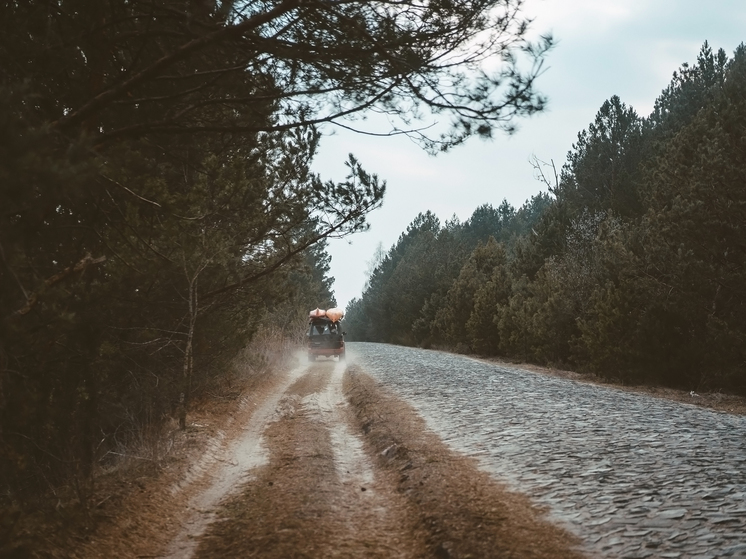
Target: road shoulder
(718,401)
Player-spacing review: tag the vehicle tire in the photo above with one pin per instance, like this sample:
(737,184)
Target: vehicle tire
(342,356)
(311,358)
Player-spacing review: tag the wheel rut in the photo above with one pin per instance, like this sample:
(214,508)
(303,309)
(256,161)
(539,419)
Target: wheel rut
(318,495)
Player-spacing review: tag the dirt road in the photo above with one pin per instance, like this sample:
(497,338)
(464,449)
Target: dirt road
(330,464)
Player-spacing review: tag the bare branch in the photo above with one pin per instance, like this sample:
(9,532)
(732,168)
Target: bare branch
(115,183)
(538,166)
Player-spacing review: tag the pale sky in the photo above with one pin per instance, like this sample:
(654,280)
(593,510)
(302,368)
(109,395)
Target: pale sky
(604,48)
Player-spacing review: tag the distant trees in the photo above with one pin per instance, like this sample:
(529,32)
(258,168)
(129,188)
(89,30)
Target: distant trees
(156,192)
(407,291)
(634,269)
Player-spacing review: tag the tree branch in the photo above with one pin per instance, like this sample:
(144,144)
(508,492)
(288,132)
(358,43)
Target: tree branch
(73,118)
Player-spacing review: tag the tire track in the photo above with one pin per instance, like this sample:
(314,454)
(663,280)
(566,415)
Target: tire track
(318,495)
(226,465)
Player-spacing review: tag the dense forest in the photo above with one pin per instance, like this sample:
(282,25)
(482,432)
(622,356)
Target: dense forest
(157,203)
(632,266)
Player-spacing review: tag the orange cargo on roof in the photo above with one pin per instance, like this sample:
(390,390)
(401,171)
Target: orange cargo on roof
(318,313)
(335,314)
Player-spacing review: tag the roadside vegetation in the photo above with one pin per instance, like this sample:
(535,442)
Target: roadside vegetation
(632,266)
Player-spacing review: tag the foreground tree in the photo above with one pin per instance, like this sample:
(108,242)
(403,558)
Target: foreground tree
(157,193)
(142,67)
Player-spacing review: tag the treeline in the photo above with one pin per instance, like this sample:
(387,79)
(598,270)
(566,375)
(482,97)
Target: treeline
(634,268)
(157,204)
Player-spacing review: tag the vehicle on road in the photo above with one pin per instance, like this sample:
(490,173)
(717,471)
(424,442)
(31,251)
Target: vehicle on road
(325,337)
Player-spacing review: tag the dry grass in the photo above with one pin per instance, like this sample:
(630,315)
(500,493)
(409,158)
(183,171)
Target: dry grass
(270,349)
(130,505)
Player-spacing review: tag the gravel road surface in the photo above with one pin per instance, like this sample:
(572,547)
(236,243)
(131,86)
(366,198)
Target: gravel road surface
(634,476)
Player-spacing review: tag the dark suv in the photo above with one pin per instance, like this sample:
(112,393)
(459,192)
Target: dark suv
(325,338)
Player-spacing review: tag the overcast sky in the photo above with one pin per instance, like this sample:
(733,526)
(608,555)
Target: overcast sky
(627,48)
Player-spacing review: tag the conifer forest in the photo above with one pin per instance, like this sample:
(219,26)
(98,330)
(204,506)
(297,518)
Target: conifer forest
(631,266)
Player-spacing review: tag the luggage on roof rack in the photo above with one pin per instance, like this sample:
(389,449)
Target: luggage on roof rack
(335,314)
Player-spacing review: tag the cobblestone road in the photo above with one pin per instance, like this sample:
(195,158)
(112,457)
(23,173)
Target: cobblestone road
(633,476)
